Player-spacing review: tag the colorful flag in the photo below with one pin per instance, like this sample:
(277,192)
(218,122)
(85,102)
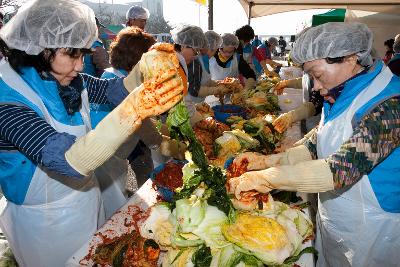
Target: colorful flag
(201,2)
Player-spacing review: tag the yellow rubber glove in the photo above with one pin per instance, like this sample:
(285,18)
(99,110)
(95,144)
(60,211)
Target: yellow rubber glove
(158,94)
(250,84)
(305,137)
(214,90)
(173,148)
(270,74)
(309,176)
(284,121)
(257,161)
(280,86)
(134,78)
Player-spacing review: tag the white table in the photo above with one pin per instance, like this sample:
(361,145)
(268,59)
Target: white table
(146,196)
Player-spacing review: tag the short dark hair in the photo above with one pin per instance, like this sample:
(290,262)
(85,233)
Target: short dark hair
(389,43)
(129,46)
(177,47)
(245,33)
(42,62)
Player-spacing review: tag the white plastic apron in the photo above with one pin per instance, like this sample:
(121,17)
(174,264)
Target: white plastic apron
(219,73)
(248,57)
(205,80)
(46,234)
(352,228)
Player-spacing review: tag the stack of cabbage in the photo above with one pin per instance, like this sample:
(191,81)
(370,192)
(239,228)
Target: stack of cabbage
(196,233)
(201,227)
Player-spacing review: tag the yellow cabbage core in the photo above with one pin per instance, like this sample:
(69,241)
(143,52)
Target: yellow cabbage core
(256,233)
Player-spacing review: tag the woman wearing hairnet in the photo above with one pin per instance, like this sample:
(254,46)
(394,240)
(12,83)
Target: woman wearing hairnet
(188,41)
(227,63)
(264,55)
(137,16)
(200,83)
(48,151)
(352,159)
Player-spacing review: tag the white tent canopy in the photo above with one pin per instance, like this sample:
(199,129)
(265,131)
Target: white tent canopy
(259,8)
(382,17)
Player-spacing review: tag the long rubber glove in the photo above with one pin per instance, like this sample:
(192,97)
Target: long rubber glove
(284,121)
(213,90)
(305,137)
(256,161)
(309,176)
(293,83)
(134,78)
(162,89)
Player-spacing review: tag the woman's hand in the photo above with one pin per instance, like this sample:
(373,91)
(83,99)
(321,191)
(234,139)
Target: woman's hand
(280,86)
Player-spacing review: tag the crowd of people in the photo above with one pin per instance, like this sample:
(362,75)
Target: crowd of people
(76,118)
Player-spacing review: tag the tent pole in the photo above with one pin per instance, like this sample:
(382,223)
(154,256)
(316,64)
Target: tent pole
(251,4)
(210,14)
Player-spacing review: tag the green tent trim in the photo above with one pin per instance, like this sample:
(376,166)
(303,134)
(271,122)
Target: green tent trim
(335,15)
(115,28)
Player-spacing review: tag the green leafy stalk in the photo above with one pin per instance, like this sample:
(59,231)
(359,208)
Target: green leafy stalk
(178,122)
(293,259)
(202,257)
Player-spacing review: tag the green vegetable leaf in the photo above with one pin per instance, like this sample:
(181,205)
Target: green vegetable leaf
(178,255)
(293,259)
(178,122)
(202,257)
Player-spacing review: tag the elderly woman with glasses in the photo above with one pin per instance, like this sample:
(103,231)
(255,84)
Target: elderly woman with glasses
(352,159)
(227,63)
(48,148)
(189,41)
(200,83)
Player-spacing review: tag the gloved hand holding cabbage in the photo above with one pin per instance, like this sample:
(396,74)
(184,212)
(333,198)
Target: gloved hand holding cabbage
(284,121)
(280,86)
(161,90)
(292,170)
(257,161)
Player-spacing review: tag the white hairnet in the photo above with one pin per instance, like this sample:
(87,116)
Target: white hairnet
(137,12)
(44,24)
(334,39)
(273,41)
(229,39)
(396,45)
(214,40)
(189,35)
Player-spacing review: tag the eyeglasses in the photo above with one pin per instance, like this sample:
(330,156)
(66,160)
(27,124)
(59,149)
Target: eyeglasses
(196,52)
(226,52)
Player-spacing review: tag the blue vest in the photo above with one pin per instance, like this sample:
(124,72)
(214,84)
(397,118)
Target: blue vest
(99,111)
(88,66)
(16,170)
(385,177)
(258,68)
(206,62)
